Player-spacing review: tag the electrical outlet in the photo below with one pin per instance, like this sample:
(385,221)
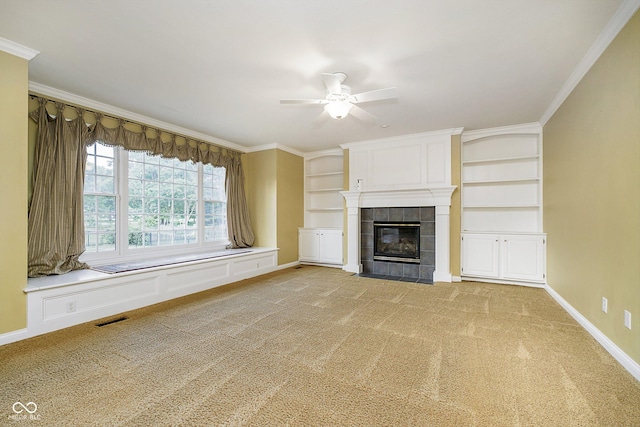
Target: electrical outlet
(71,306)
(627,319)
(605,304)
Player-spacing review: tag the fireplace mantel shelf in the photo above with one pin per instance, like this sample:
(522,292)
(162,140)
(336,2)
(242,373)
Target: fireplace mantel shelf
(433,196)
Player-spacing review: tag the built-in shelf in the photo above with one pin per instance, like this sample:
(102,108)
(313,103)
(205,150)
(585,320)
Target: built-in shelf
(323,183)
(501,176)
(323,174)
(325,190)
(501,181)
(501,207)
(500,160)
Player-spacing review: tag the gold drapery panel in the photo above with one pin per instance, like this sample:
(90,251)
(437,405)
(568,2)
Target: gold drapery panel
(56,220)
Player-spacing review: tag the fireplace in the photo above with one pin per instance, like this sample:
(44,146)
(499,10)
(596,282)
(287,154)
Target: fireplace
(396,241)
(429,206)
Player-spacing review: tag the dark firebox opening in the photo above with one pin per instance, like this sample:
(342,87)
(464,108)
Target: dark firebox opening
(398,241)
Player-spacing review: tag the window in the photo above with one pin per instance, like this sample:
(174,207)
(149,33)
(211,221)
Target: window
(215,204)
(167,204)
(100,199)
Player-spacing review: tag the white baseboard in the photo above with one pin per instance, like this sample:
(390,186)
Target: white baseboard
(14,336)
(627,362)
(456,279)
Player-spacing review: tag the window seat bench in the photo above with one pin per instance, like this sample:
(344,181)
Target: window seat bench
(56,302)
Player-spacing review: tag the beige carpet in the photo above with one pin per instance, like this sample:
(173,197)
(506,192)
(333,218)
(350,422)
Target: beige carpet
(317,346)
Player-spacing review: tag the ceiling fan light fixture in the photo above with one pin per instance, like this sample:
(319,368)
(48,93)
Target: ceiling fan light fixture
(338,109)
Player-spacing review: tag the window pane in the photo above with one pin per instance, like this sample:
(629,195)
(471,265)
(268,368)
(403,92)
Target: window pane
(168,206)
(151,206)
(135,205)
(135,188)
(151,189)
(105,184)
(166,174)
(165,239)
(100,202)
(214,203)
(104,166)
(135,240)
(90,166)
(136,156)
(192,178)
(136,170)
(103,150)
(150,172)
(106,242)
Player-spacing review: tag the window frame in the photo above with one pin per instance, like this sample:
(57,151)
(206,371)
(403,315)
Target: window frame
(122,250)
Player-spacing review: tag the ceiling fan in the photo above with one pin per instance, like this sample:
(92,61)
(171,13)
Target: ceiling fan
(339,101)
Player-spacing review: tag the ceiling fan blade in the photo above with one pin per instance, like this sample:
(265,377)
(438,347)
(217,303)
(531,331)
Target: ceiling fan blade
(374,95)
(320,121)
(303,101)
(363,115)
(332,82)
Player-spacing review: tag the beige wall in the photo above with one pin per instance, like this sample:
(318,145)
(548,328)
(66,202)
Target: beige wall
(260,170)
(592,192)
(13,190)
(455,214)
(275,196)
(290,206)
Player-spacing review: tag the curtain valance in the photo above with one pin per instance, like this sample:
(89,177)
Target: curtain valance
(133,136)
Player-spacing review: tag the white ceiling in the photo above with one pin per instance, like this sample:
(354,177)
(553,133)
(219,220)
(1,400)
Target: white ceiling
(220,67)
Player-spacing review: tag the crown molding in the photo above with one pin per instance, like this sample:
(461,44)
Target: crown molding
(526,128)
(274,146)
(615,25)
(17,49)
(49,92)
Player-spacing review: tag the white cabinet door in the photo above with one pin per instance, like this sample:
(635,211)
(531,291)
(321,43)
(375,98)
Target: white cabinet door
(480,255)
(309,245)
(523,257)
(331,246)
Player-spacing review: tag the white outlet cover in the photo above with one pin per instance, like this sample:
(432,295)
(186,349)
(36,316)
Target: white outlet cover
(627,319)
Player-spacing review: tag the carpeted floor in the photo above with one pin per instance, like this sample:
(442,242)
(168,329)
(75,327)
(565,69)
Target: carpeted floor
(317,346)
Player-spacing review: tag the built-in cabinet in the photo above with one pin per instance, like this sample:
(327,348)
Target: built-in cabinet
(320,241)
(509,257)
(320,245)
(502,234)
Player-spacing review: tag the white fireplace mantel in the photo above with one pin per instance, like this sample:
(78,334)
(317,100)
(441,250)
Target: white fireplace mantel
(439,197)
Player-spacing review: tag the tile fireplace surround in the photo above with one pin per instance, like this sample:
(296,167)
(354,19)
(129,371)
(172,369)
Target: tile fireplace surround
(422,272)
(437,197)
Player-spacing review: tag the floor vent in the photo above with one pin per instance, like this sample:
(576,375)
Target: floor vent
(110,321)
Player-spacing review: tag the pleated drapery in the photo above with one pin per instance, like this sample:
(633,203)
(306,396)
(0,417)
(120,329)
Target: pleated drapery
(56,223)
(238,222)
(56,220)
